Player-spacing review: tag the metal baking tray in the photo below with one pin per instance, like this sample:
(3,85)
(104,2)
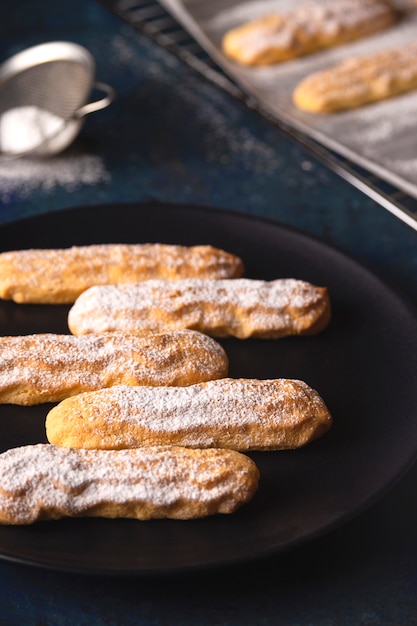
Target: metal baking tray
(373,148)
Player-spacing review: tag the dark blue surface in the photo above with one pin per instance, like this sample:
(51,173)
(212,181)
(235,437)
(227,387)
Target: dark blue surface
(173,137)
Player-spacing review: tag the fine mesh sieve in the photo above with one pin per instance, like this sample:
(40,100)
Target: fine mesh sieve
(44,94)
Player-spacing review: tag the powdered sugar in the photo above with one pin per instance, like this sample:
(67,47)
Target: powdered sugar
(222,136)
(23,176)
(239,307)
(376,129)
(27,128)
(48,482)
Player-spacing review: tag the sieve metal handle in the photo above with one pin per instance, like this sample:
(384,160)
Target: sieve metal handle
(102,103)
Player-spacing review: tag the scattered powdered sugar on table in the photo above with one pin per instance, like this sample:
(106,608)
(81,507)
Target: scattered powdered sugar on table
(223,138)
(70,171)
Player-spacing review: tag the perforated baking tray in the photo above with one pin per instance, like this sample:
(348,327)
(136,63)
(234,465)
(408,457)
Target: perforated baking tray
(349,144)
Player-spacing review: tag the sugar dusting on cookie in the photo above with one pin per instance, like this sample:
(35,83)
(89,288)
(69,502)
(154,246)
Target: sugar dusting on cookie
(60,275)
(48,482)
(360,80)
(48,367)
(22,177)
(239,307)
(240,414)
(306,28)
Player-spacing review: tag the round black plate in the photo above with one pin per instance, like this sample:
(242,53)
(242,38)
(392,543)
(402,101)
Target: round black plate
(364,366)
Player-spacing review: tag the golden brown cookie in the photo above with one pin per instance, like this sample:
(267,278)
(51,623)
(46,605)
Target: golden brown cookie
(359,81)
(49,367)
(240,414)
(43,482)
(238,307)
(306,29)
(58,276)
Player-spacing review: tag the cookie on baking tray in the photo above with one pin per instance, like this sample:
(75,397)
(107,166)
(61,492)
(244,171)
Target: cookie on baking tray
(359,81)
(307,28)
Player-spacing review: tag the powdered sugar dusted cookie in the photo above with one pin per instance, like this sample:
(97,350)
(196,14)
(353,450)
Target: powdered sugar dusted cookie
(49,367)
(59,275)
(43,482)
(239,307)
(309,27)
(359,81)
(240,414)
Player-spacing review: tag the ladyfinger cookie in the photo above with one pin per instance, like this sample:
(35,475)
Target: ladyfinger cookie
(58,276)
(41,482)
(309,27)
(239,414)
(48,367)
(239,307)
(359,81)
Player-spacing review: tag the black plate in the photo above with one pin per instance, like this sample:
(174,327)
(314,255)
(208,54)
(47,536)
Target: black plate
(363,365)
